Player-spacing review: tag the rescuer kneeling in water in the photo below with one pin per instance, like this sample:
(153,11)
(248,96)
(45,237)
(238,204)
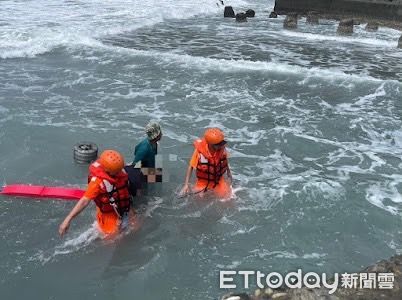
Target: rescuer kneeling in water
(108,187)
(210,160)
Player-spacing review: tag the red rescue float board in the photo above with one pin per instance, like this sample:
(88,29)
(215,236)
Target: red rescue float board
(41,191)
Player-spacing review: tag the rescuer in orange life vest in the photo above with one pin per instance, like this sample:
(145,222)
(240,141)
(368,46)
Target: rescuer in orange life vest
(108,187)
(210,160)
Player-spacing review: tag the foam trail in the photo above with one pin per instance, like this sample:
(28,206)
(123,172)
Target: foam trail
(314,38)
(74,244)
(235,66)
(377,195)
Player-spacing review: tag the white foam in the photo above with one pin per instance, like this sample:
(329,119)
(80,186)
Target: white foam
(325,189)
(231,266)
(29,30)
(313,37)
(364,101)
(286,254)
(206,64)
(71,245)
(377,194)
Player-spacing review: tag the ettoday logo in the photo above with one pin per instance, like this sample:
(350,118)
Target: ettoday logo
(310,280)
(275,280)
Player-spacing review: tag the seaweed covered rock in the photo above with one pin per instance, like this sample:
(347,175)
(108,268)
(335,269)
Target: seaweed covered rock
(241,17)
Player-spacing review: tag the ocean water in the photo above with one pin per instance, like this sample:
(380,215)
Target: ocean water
(313,123)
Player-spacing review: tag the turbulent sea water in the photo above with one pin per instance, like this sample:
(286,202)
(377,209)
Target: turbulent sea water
(313,122)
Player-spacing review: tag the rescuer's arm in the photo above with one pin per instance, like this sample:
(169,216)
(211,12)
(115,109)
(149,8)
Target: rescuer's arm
(79,207)
(186,187)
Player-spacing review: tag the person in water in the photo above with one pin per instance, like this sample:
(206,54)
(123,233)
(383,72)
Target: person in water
(144,153)
(210,160)
(147,149)
(108,188)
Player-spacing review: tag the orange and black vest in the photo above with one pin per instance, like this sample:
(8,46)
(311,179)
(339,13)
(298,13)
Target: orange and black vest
(210,167)
(115,197)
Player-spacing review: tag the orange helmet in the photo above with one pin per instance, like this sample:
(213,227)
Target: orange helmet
(214,136)
(111,161)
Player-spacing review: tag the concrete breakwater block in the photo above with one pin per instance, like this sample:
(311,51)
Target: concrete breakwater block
(345,27)
(229,12)
(250,13)
(372,26)
(312,18)
(241,17)
(290,21)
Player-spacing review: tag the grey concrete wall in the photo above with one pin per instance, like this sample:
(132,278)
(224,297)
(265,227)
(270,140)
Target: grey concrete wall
(384,9)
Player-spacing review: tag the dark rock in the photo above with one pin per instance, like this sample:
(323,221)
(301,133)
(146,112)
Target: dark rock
(400,42)
(312,18)
(356,22)
(250,13)
(273,15)
(290,21)
(372,26)
(241,17)
(228,12)
(345,27)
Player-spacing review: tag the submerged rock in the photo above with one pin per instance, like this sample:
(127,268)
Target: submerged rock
(290,21)
(312,18)
(273,15)
(400,42)
(372,26)
(228,12)
(345,27)
(241,17)
(250,13)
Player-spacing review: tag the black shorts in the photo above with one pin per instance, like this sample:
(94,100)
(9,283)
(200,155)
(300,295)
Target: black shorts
(135,178)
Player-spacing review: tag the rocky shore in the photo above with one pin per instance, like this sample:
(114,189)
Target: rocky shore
(390,266)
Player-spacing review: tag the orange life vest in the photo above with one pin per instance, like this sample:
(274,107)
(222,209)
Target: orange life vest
(210,167)
(115,196)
